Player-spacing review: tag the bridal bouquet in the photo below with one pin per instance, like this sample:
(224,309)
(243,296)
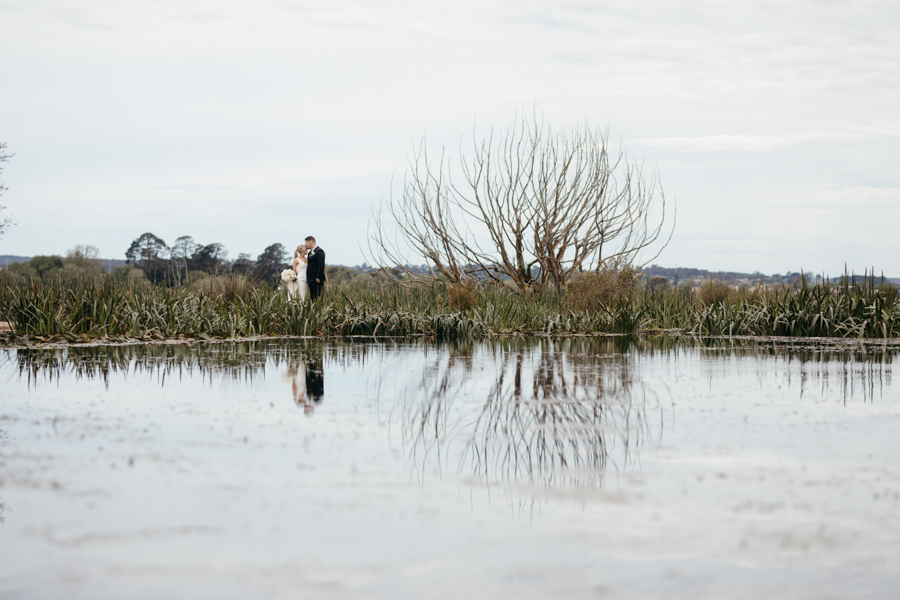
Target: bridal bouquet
(288,275)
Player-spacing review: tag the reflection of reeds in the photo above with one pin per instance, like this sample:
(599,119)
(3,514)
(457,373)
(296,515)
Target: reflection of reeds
(857,372)
(231,360)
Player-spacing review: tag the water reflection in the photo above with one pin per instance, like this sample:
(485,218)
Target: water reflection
(237,361)
(855,371)
(545,412)
(308,384)
(536,412)
(4,442)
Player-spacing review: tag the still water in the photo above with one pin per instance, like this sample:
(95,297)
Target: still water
(610,468)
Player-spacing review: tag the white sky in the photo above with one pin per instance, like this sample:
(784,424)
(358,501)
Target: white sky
(774,123)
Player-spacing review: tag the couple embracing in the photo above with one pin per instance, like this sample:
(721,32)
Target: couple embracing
(309,267)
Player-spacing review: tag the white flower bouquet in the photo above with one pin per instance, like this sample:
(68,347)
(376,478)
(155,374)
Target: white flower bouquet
(288,275)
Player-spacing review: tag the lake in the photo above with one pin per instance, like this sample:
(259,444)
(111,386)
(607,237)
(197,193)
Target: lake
(526,468)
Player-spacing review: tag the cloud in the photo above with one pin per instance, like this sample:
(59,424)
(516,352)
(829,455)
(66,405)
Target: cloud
(203,188)
(79,18)
(199,17)
(12,7)
(862,198)
(235,121)
(765,143)
(351,15)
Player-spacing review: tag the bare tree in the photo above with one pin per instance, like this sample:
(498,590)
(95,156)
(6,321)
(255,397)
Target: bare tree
(182,250)
(5,221)
(85,258)
(531,205)
(423,217)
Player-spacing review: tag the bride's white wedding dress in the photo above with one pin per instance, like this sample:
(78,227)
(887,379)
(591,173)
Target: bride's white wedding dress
(297,289)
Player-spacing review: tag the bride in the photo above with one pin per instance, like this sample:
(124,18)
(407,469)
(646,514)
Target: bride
(297,289)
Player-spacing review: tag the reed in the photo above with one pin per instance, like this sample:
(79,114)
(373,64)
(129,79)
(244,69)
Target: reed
(79,309)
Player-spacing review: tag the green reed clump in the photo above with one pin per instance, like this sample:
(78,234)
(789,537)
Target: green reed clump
(237,308)
(671,308)
(851,309)
(126,309)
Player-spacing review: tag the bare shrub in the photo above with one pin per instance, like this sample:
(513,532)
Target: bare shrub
(715,291)
(137,278)
(227,286)
(86,259)
(462,296)
(594,290)
(659,283)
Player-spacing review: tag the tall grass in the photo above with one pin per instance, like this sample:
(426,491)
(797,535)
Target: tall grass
(79,308)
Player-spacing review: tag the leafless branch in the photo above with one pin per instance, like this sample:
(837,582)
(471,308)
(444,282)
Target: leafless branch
(527,197)
(5,221)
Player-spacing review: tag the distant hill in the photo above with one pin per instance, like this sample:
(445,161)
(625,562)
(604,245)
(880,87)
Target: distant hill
(678,274)
(7,259)
(675,275)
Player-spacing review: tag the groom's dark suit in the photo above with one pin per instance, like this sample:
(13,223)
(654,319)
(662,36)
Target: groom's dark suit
(315,272)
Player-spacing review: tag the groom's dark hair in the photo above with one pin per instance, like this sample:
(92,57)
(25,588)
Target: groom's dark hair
(310,238)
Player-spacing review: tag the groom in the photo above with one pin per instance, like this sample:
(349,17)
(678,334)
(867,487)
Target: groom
(315,272)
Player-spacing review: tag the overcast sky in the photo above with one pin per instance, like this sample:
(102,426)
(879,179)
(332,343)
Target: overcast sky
(774,124)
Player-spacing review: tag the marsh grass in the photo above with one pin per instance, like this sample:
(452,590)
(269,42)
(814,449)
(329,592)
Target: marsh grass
(74,309)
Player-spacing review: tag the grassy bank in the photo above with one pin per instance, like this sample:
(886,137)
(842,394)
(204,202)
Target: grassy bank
(230,307)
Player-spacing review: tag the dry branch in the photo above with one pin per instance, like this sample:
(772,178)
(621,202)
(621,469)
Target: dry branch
(527,198)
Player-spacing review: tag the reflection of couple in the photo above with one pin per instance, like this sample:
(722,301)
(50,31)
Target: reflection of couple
(308,386)
(309,265)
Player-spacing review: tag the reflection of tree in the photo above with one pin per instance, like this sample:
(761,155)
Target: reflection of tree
(424,417)
(552,414)
(4,440)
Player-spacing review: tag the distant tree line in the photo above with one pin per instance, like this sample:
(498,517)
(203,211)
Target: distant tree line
(82,260)
(150,261)
(186,260)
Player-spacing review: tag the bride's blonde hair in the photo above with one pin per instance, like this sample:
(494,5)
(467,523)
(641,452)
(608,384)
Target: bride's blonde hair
(297,251)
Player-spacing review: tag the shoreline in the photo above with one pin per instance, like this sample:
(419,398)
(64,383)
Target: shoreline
(11,341)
